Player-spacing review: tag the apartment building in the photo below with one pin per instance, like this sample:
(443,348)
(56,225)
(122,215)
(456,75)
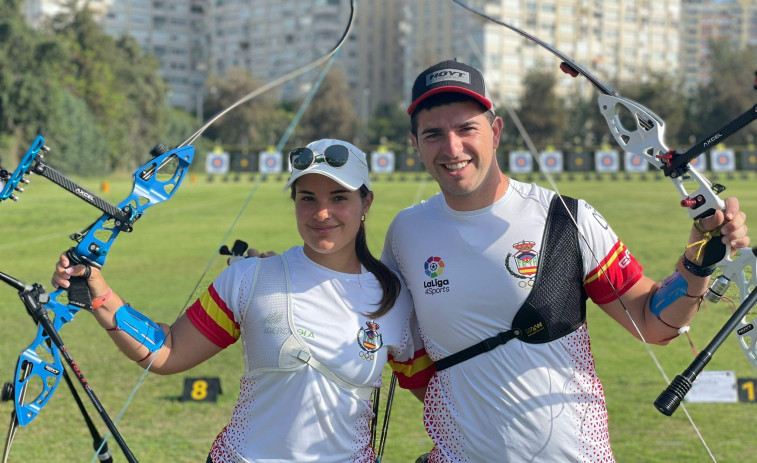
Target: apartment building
(617,40)
(703,21)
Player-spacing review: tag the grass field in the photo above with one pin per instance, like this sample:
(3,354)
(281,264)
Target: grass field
(161,266)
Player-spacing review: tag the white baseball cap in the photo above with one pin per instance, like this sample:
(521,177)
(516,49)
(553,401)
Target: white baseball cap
(325,157)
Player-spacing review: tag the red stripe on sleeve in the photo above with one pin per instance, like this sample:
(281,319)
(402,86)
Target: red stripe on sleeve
(208,327)
(615,274)
(414,373)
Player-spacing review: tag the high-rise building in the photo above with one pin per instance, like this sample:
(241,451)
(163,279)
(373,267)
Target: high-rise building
(270,38)
(375,64)
(433,31)
(617,41)
(36,11)
(174,32)
(393,40)
(707,20)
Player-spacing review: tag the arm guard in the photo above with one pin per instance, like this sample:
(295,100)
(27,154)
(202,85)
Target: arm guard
(140,328)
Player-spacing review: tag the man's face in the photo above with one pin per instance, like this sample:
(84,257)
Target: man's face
(456,144)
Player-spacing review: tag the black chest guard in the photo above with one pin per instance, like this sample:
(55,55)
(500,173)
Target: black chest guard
(556,305)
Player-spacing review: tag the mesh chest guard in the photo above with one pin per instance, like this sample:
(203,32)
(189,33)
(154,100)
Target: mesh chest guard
(556,305)
(268,326)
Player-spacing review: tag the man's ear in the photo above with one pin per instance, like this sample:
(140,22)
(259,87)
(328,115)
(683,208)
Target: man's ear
(496,131)
(414,141)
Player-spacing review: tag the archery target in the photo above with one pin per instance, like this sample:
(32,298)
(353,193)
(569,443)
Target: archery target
(722,160)
(635,163)
(699,162)
(242,163)
(551,162)
(408,162)
(217,163)
(578,162)
(749,160)
(382,162)
(606,161)
(521,162)
(269,162)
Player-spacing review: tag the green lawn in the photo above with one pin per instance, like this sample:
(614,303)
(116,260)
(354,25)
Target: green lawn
(161,266)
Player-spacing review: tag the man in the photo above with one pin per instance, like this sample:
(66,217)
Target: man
(475,253)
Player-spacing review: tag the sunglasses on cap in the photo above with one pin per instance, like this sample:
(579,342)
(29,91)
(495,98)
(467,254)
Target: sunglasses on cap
(334,155)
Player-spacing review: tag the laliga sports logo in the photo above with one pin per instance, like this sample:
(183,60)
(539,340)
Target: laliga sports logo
(434,266)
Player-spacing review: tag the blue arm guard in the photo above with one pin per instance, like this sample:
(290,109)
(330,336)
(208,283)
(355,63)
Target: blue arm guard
(140,328)
(673,288)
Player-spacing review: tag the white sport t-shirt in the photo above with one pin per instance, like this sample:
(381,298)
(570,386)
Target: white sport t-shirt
(301,415)
(469,273)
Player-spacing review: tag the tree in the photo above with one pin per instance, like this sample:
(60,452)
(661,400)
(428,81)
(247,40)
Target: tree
(661,95)
(542,113)
(28,79)
(259,122)
(330,114)
(728,95)
(79,143)
(389,126)
(585,127)
(119,83)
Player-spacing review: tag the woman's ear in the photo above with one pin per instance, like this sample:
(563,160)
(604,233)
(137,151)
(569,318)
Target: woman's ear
(367,201)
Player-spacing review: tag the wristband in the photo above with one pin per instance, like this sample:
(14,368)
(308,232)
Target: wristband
(97,302)
(696,270)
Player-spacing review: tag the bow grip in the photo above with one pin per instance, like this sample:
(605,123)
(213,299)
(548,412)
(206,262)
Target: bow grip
(78,289)
(714,250)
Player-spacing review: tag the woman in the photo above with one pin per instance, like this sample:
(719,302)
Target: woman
(318,323)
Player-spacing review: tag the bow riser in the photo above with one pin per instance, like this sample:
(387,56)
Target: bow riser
(734,270)
(647,141)
(31,367)
(154,182)
(148,190)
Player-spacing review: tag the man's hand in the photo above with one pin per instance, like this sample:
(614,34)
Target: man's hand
(252,252)
(731,224)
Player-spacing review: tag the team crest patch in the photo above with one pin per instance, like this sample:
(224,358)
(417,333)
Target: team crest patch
(369,339)
(526,262)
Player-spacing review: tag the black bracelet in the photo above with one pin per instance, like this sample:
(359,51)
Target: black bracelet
(695,269)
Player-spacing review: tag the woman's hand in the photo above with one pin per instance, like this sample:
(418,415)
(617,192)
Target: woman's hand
(63,273)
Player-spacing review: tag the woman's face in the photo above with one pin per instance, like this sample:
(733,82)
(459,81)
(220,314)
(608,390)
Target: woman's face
(328,219)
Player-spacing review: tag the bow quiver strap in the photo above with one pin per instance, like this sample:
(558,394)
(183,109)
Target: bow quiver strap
(556,305)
